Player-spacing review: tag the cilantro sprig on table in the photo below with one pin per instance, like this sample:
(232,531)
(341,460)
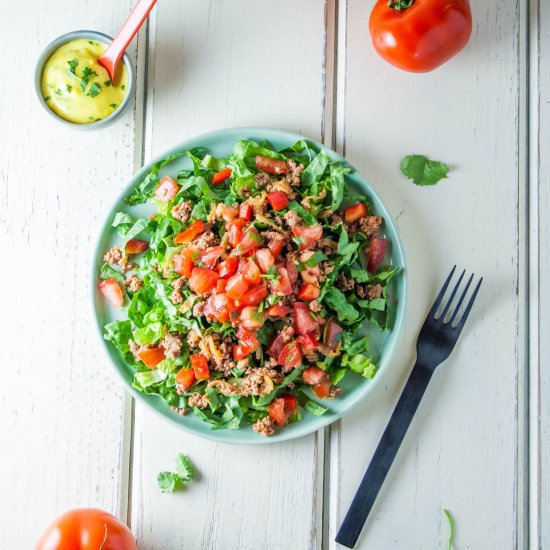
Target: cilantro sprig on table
(168,482)
(422,170)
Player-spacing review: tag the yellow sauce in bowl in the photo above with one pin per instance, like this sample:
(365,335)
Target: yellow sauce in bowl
(77,88)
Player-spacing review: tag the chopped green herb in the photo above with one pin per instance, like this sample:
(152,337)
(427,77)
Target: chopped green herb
(123,87)
(107,83)
(73,64)
(47,98)
(95,88)
(422,170)
(69,88)
(169,481)
(451,528)
(58,92)
(113,105)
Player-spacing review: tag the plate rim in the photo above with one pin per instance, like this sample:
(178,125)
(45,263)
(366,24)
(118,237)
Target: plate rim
(299,429)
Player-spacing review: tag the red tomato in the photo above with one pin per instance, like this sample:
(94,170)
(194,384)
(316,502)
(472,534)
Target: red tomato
(281,286)
(183,263)
(200,366)
(309,274)
(303,321)
(211,256)
(309,235)
(220,285)
(251,318)
(271,166)
(236,286)
(376,253)
(166,189)
(203,280)
(254,296)
(152,357)
(235,233)
(278,200)
(265,259)
(240,351)
(291,269)
(291,355)
(322,389)
(275,245)
(276,346)
(220,176)
(333,334)
(185,377)
(112,291)
(135,246)
(307,341)
(309,292)
(355,212)
(250,271)
(251,240)
(282,408)
(313,376)
(420,36)
(246,337)
(228,267)
(245,211)
(86,529)
(277,311)
(192,232)
(216,307)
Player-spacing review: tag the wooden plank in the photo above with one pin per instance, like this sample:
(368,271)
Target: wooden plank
(63,410)
(462,450)
(212,66)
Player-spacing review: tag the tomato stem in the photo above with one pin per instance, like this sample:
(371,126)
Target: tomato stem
(400,5)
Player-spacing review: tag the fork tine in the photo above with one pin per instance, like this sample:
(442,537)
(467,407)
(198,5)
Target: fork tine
(439,298)
(454,316)
(452,297)
(462,321)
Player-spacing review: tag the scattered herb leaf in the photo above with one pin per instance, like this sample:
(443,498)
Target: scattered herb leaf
(168,482)
(422,170)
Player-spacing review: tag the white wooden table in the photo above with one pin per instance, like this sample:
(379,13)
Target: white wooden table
(479,444)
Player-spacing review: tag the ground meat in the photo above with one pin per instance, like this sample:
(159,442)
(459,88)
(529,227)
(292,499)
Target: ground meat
(178,283)
(176,297)
(114,256)
(193,339)
(288,301)
(315,306)
(345,283)
(262,179)
(327,246)
(333,392)
(133,283)
(335,219)
(225,346)
(243,363)
(282,185)
(326,269)
(269,369)
(172,345)
(198,309)
(369,225)
(125,266)
(276,236)
(264,426)
(182,211)
(255,383)
(182,412)
(198,400)
(136,349)
(294,176)
(292,218)
(370,292)
(206,239)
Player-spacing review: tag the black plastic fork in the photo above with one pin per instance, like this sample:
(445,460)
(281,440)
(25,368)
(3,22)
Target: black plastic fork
(435,343)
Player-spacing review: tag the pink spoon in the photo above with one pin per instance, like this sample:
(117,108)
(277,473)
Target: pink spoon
(111,56)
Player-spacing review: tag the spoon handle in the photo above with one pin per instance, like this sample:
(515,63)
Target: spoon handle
(111,56)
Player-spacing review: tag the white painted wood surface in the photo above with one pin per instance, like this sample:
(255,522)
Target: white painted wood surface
(73,438)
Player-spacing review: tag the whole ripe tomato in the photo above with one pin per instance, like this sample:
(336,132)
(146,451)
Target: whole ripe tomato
(420,35)
(86,529)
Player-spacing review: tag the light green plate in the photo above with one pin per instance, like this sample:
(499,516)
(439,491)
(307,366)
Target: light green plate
(355,387)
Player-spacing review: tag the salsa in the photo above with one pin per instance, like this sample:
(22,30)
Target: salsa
(77,88)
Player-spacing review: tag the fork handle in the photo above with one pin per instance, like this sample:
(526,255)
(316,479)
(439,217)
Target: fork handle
(384,455)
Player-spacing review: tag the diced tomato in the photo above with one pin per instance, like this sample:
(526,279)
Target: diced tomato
(313,376)
(276,346)
(309,274)
(245,211)
(291,355)
(112,291)
(228,267)
(233,310)
(246,337)
(307,341)
(152,357)
(291,269)
(275,245)
(166,189)
(203,280)
(254,296)
(282,408)
(251,240)
(185,377)
(216,307)
(303,321)
(200,366)
(272,166)
(277,311)
(240,351)
(309,235)
(281,286)
(235,233)
(376,253)
(333,334)
(322,389)
(265,259)
(220,285)
(192,232)
(251,318)
(236,286)
(309,292)
(278,200)
(135,246)
(183,263)
(220,176)
(355,212)
(250,271)
(211,256)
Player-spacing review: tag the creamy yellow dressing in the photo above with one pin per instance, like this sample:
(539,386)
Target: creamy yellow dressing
(77,88)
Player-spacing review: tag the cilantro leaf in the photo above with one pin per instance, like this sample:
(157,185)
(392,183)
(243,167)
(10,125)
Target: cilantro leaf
(168,482)
(73,64)
(95,88)
(184,468)
(422,170)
